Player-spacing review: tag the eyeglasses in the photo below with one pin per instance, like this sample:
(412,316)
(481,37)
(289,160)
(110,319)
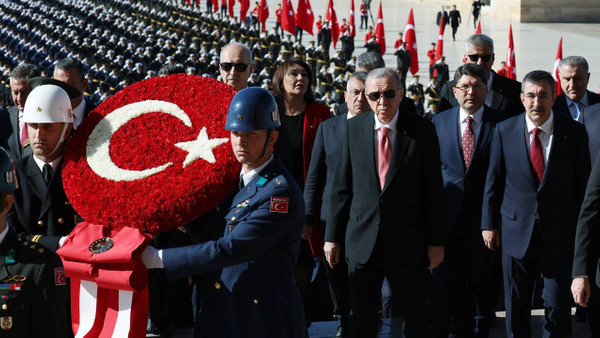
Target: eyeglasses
(240,67)
(389,94)
(484,58)
(466,88)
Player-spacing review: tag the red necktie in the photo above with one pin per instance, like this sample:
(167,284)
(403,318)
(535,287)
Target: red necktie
(537,158)
(468,142)
(384,155)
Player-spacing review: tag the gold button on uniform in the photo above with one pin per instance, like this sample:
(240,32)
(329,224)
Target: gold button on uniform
(61,220)
(217,285)
(256,301)
(233,218)
(218,208)
(41,223)
(4,307)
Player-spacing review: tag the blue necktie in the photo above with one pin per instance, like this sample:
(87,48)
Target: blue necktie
(577,110)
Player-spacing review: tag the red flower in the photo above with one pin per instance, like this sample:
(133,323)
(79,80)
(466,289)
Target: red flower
(142,159)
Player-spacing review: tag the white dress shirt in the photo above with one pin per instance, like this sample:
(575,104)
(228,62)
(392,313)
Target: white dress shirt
(545,136)
(392,126)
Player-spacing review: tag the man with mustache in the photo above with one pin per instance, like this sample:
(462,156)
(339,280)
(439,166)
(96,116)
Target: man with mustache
(534,158)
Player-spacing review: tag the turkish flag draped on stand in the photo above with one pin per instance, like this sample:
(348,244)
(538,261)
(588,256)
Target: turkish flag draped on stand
(305,17)
(411,43)
(288,22)
(478,30)
(439,51)
(511,63)
(555,71)
(230,8)
(379,31)
(331,16)
(263,14)
(351,24)
(245,5)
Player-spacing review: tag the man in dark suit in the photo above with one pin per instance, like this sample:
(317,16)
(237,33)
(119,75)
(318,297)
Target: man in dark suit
(503,93)
(402,62)
(524,178)
(19,91)
(72,72)
(585,286)
(317,189)
(462,283)
(575,101)
(42,212)
(455,21)
(386,205)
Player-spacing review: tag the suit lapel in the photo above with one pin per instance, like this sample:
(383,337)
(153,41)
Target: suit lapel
(496,94)
(559,142)
(365,141)
(398,152)
(517,140)
(485,132)
(35,179)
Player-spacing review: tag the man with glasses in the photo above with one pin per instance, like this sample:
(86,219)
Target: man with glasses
(461,284)
(235,65)
(318,186)
(502,93)
(534,158)
(386,206)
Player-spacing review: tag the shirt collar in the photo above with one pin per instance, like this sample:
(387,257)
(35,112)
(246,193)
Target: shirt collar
(78,111)
(391,125)
(41,163)
(249,176)
(547,127)
(584,100)
(477,116)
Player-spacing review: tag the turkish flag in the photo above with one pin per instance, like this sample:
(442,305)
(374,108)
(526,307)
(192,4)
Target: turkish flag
(478,30)
(215,5)
(331,16)
(511,63)
(411,43)
(263,14)
(379,31)
(288,21)
(305,17)
(230,8)
(351,24)
(245,5)
(555,71)
(439,51)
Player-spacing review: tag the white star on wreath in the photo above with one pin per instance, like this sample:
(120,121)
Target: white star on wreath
(200,148)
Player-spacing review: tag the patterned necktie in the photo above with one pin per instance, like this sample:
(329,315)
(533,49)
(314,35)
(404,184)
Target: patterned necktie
(47,172)
(537,158)
(384,155)
(468,142)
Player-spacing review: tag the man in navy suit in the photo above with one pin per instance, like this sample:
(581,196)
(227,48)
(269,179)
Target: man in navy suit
(539,165)
(250,291)
(461,284)
(72,72)
(576,100)
(502,92)
(317,189)
(386,206)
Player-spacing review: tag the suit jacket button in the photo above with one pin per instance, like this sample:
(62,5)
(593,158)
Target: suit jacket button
(41,223)
(217,285)
(256,301)
(218,208)
(60,220)
(5,307)
(67,203)
(233,218)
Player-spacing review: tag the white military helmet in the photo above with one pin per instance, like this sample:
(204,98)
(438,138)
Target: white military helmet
(48,104)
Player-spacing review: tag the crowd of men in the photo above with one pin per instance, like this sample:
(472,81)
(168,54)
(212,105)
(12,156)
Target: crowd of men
(403,235)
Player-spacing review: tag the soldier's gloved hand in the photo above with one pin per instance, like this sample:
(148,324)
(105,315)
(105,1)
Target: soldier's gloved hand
(61,241)
(152,258)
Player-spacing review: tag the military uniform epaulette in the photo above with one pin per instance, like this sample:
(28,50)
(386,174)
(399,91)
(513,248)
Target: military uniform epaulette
(274,176)
(31,245)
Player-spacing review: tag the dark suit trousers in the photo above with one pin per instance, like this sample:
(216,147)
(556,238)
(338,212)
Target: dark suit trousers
(461,286)
(410,287)
(519,278)
(337,279)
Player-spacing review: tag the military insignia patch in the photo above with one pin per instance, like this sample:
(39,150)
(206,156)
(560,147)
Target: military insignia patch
(279,204)
(6,323)
(59,276)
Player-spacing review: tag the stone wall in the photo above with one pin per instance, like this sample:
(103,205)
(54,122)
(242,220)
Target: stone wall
(587,11)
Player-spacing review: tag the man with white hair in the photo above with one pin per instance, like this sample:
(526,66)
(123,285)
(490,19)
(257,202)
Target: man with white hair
(236,65)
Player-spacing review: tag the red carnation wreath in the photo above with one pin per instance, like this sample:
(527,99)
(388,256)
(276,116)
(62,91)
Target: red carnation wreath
(153,156)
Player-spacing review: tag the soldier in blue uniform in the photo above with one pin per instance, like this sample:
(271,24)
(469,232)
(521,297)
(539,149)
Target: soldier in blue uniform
(33,291)
(250,291)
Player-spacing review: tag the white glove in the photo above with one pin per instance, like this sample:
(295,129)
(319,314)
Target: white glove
(152,258)
(61,241)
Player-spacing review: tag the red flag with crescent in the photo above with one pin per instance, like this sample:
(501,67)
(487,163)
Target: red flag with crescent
(288,20)
(304,16)
(379,30)
(411,43)
(351,24)
(331,16)
(555,70)
(511,62)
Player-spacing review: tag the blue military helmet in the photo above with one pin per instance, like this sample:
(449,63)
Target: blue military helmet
(252,109)
(8,178)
